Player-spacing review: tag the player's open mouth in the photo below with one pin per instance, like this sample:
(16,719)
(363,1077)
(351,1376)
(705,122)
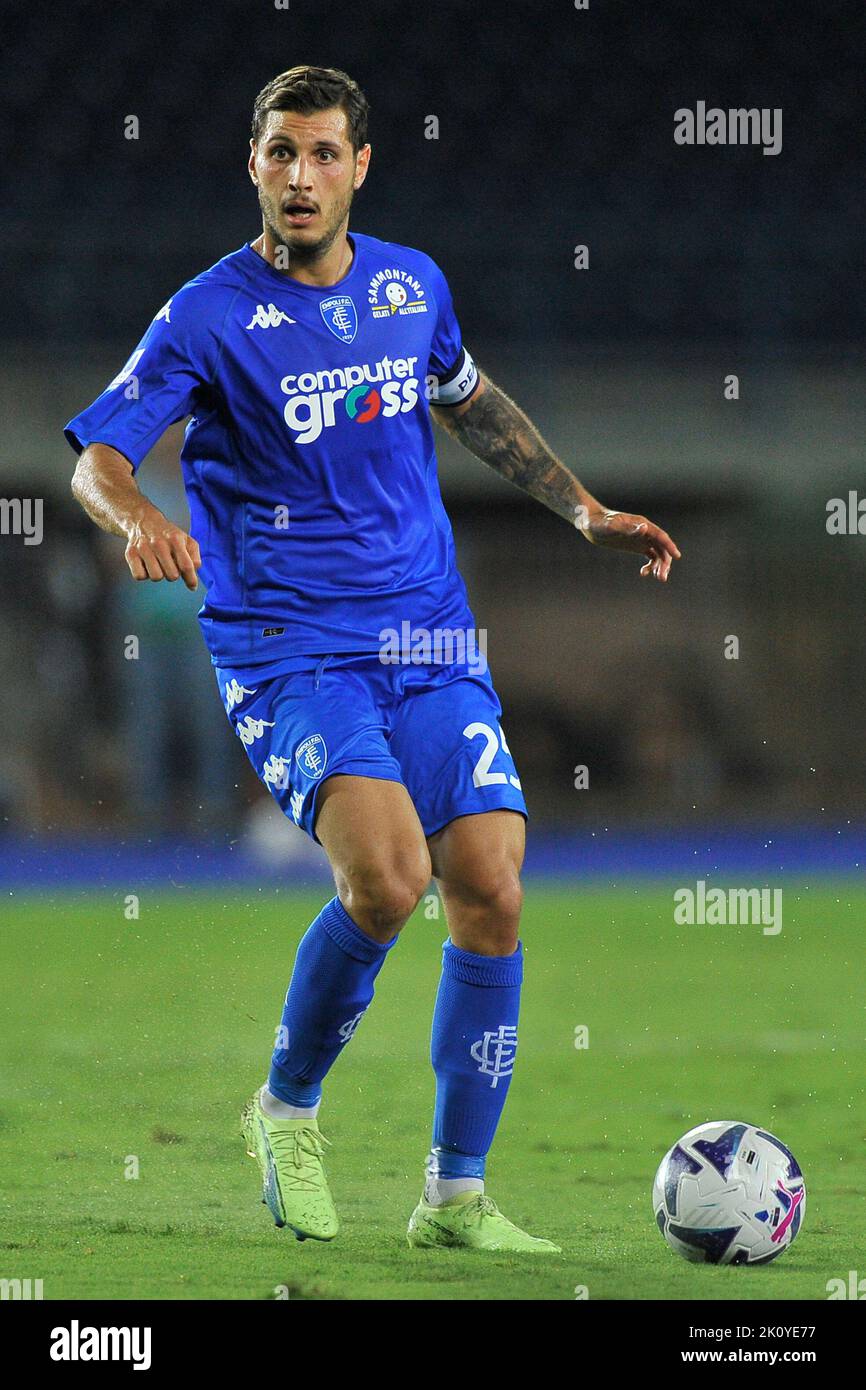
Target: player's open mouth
(298,214)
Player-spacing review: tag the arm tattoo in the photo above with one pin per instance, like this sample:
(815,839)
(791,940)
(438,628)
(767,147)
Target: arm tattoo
(496,431)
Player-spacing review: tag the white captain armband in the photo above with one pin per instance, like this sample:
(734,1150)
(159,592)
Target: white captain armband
(457,386)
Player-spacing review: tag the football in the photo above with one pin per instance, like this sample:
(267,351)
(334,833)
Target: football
(729,1194)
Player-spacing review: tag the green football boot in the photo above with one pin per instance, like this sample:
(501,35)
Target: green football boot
(289,1153)
(471,1221)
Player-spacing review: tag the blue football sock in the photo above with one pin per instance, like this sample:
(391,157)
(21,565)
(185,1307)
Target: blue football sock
(472,1049)
(331,987)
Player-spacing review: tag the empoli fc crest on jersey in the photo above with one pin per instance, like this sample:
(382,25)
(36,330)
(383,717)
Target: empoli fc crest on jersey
(341,316)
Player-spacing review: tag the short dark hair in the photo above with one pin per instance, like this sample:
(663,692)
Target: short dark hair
(307,89)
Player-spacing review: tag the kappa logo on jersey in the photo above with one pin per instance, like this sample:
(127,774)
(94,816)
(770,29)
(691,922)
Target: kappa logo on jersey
(296,803)
(312,756)
(234,694)
(268,316)
(495,1053)
(341,316)
(393,292)
(165,312)
(249,729)
(387,388)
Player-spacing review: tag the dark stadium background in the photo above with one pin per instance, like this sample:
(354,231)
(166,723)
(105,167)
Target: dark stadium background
(555,129)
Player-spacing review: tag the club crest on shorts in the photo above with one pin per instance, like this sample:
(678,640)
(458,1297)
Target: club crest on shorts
(341,316)
(312,756)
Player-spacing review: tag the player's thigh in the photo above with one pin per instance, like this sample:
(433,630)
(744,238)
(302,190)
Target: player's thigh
(375,844)
(317,739)
(475,853)
(462,779)
(449,742)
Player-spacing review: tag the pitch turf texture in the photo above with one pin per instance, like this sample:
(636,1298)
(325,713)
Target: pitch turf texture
(139,1040)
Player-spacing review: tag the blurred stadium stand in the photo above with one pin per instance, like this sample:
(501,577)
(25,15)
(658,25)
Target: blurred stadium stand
(555,130)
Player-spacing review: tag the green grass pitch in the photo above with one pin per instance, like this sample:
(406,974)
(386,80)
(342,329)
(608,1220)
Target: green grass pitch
(140,1040)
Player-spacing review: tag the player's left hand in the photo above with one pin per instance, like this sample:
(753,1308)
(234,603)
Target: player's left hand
(626,531)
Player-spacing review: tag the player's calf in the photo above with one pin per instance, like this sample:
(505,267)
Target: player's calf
(381,864)
(477,861)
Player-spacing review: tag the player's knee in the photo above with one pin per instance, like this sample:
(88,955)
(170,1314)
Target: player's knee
(502,920)
(500,896)
(492,906)
(382,906)
(382,896)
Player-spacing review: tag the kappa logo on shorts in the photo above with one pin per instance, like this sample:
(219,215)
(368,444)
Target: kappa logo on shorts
(234,695)
(275,773)
(312,756)
(249,729)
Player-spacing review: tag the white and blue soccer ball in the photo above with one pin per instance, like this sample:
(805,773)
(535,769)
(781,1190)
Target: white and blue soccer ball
(729,1194)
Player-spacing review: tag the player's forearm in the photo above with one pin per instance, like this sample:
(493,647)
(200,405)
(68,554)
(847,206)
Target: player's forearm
(498,432)
(105,486)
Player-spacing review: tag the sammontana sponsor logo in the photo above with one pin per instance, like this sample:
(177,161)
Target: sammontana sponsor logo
(394,291)
(361,391)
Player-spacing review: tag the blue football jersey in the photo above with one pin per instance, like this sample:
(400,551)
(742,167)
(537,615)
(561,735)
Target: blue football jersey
(309,461)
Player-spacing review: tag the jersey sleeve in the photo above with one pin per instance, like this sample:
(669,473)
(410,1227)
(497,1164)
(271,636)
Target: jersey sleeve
(156,387)
(452,376)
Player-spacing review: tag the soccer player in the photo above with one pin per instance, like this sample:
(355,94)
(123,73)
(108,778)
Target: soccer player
(311,362)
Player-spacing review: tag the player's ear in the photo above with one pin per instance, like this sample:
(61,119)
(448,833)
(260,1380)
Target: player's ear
(251,165)
(362,164)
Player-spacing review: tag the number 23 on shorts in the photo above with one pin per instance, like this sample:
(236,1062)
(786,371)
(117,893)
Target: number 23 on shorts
(494,741)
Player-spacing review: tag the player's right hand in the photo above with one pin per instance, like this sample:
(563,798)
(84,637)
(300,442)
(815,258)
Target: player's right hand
(157,549)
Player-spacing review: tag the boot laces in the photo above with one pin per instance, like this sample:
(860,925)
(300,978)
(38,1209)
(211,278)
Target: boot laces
(480,1207)
(298,1154)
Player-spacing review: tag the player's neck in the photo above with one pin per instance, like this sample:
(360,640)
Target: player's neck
(326,270)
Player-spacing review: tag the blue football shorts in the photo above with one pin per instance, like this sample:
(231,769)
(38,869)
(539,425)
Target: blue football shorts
(434,728)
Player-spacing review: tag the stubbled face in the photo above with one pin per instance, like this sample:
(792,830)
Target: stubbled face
(306,173)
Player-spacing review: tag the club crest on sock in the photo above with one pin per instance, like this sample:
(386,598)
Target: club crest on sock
(495,1053)
(347,1029)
